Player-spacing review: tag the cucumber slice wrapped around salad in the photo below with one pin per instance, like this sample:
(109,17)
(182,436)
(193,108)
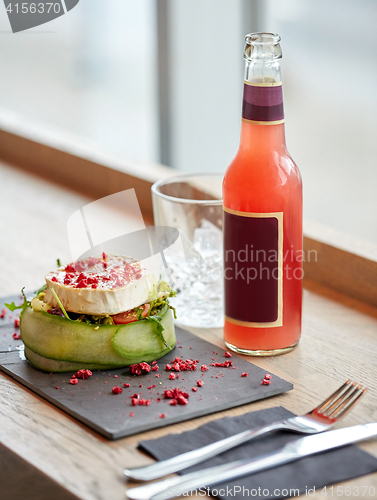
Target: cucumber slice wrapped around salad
(60,340)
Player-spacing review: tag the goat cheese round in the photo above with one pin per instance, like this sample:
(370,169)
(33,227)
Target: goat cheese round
(100,286)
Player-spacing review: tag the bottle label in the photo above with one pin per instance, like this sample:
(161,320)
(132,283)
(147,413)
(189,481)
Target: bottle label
(263,103)
(253,268)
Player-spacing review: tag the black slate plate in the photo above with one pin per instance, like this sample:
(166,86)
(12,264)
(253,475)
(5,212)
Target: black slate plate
(92,402)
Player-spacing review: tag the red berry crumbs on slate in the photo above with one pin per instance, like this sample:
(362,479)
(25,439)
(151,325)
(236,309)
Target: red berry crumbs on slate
(226,364)
(16,323)
(171,376)
(16,336)
(266,382)
(227,354)
(116,390)
(74,381)
(145,367)
(200,383)
(194,389)
(85,374)
(178,395)
(132,414)
(244,374)
(204,368)
(126,385)
(180,365)
(267,376)
(162,415)
(140,368)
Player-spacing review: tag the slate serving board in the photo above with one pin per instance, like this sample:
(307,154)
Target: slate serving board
(93,403)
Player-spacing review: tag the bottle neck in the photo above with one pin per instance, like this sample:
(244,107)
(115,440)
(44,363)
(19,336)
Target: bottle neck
(262,110)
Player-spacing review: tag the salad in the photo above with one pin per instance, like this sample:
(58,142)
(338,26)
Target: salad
(97,313)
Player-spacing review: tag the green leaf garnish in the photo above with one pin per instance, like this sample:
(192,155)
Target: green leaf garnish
(60,304)
(159,328)
(12,307)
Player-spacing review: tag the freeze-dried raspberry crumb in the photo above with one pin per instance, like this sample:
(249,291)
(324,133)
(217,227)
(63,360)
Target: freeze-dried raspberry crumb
(57,387)
(244,374)
(16,336)
(134,401)
(115,376)
(180,365)
(173,402)
(136,395)
(145,367)
(266,382)
(135,370)
(126,385)
(16,323)
(267,376)
(204,368)
(181,400)
(85,374)
(151,387)
(158,376)
(74,381)
(155,368)
(132,414)
(194,389)
(177,394)
(200,383)
(171,376)
(154,362)
(226,364)
(227,354)
(162,415)
(116,390)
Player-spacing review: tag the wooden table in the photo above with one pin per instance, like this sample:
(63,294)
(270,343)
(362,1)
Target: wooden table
(49,455)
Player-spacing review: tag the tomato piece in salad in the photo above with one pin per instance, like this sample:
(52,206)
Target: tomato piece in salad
(130,316)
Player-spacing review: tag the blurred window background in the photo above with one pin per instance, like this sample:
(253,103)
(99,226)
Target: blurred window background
(161,81)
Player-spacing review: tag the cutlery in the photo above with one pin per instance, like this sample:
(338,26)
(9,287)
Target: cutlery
(324,416)
(292,451)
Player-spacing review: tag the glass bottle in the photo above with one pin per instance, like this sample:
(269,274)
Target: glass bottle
(262,196)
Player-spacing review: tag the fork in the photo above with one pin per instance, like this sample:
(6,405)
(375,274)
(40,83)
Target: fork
(320,419)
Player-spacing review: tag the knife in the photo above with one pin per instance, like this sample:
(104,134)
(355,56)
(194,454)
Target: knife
(294,450)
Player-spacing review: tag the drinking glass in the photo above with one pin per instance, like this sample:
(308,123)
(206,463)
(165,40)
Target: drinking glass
(192,204)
